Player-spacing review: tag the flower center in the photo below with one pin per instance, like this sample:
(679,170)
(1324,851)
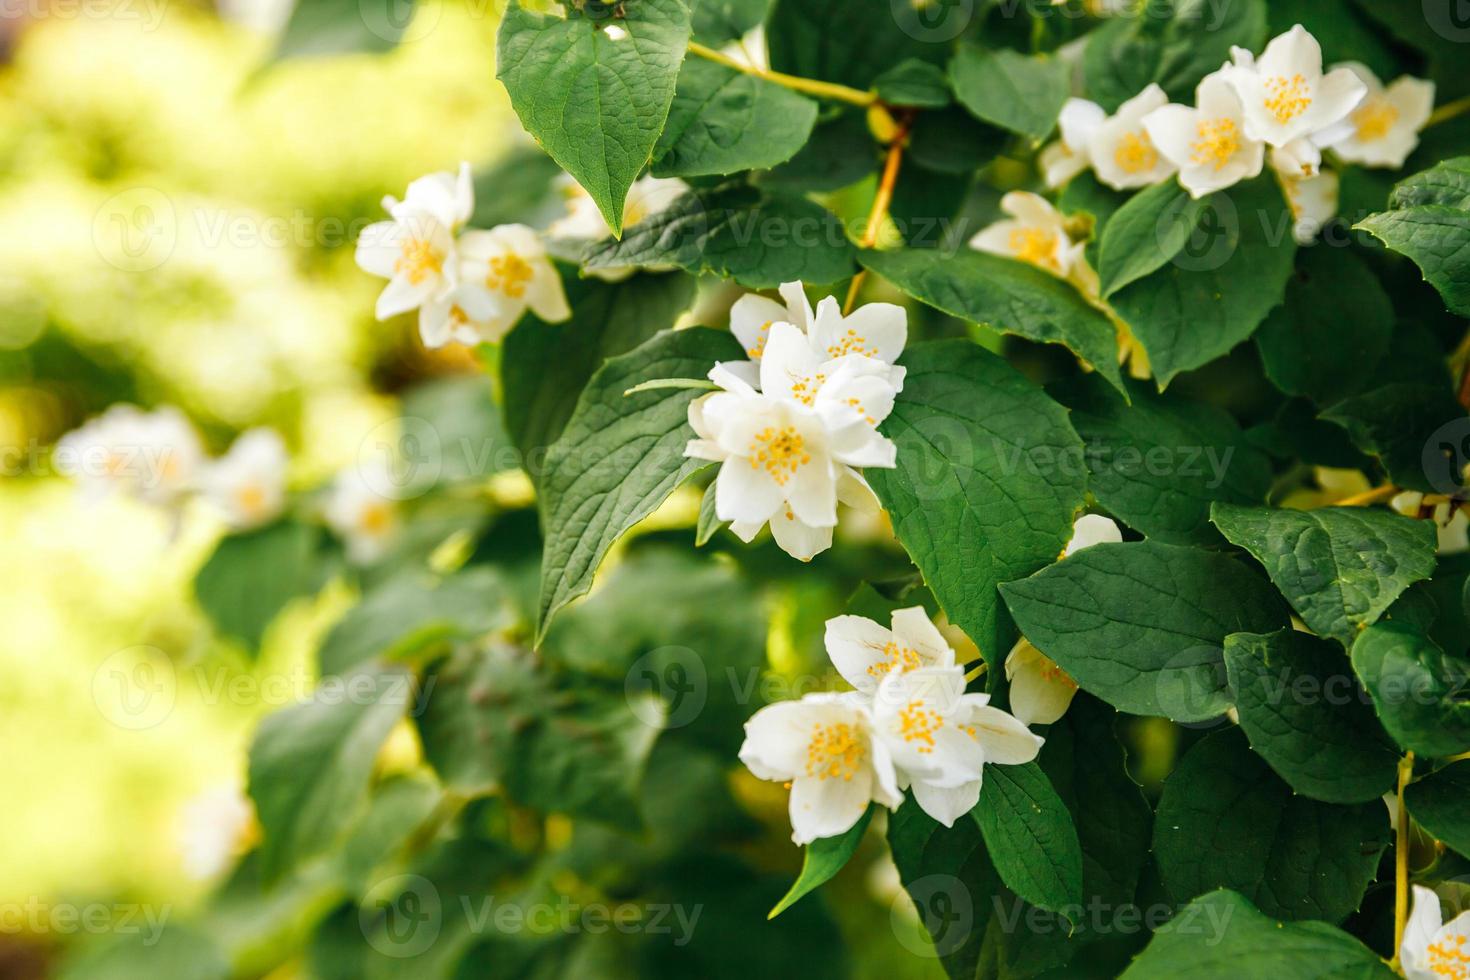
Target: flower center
(1135,153)
(1287,98)
(418,260)
(1374,119)
(1035,245)
(804,389)
(509,274)
(1219,139)
(781,451)
(836,751)
(376,518)
(762,335)
(1448,958)
(250,499)
(896,657)
(917,723)
(850,343)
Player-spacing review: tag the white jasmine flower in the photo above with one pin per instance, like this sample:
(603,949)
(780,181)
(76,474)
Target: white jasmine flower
(1285,95)
(215,828)
(823,746)
(415,251)
(1208,142)
(501,272)
(750,49)
(153,456)
(940,738)
(584,221)
(1069,156)
(248,484)
(864,652)
(1433,949)
(1384,128)
(1312,200)
(1036,232)
(1041,691)
(1122,150)
(753,315)
(1297,160)
(366,520)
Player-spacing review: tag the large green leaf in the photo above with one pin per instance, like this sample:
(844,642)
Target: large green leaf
(1327,340)
(1010,296)
(414,612)
(1339,567)
(310,763)
(719,21)
(545,366)
(1030,836)
(723,120)
(1215,291)
(595,90)
(1437,803)
(493,720)
(1159,463)
(1437,239)
(849,41)
(1225,820)
(989,477)
(759,239)
(823,858)
(1145,233)
(1418,690)
(1142,625)
(1011,90)
(1407,427)
(1221,936)
(1172,42)
(1303,711)
(619,457)
(332,27)
(251,576)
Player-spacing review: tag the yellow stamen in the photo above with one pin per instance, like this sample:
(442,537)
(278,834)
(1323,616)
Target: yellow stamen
(917,723)
(805,390)
(896,657)
(1135,153)
(376,518)
(1219,140)
(250,499)
(1374,119)
(509,274)
(851,343)
(1035,245)
(835,751)
(1287,98)
(782,452)
(418,259)
(1448,958)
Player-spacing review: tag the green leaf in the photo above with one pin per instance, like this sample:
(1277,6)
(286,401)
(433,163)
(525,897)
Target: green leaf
(545,366)
(1327,340)
(1303,712)
(951,141)
(989,477)
(413,612)
(824,857)
(757,238)
(1221,936)
(723,121)
(1145,233)
(453,427)
(1142,625)
(948,874)
(594,98)
(619,457)
(847,41)
(1419,692)
(1172,42)
(1010,296)
(1011,90)
(719,21)
(709,522)
(1407,427)
(332,27)
(1339,567)
(518,188)
(493,720)
(178,952)
(1437,239)
(914,83)
(1446,183)
(1214,292)
(1158,464)
(252,576)
(310,764)
(1225,820)
(1437,803)
(1030,836)
(841,152)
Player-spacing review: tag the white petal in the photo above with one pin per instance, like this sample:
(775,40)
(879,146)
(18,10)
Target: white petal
(798,307)
(828,807)
(1005,740)
(811,493)
(947,804)
(801,541)
(915,630)
(1040,691)
(544,294)
(875,329)
(776,740)
(1091,529)
(859,649)
(1078,120)
(750,321)
(744,492)
(1424,922)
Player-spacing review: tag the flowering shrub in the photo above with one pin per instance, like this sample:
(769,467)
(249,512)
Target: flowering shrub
(1161,437)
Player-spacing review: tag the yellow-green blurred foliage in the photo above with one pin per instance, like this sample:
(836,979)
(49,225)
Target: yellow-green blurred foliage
(173,229)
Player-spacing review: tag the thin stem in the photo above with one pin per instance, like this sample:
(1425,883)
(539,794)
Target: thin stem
(1374,496)
(881,201)
(1401,860)
(1448,111)
(811,86)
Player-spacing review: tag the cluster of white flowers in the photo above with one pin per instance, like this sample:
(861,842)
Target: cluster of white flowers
(796,423)
(908,724)
(156,457)
(1282,102)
